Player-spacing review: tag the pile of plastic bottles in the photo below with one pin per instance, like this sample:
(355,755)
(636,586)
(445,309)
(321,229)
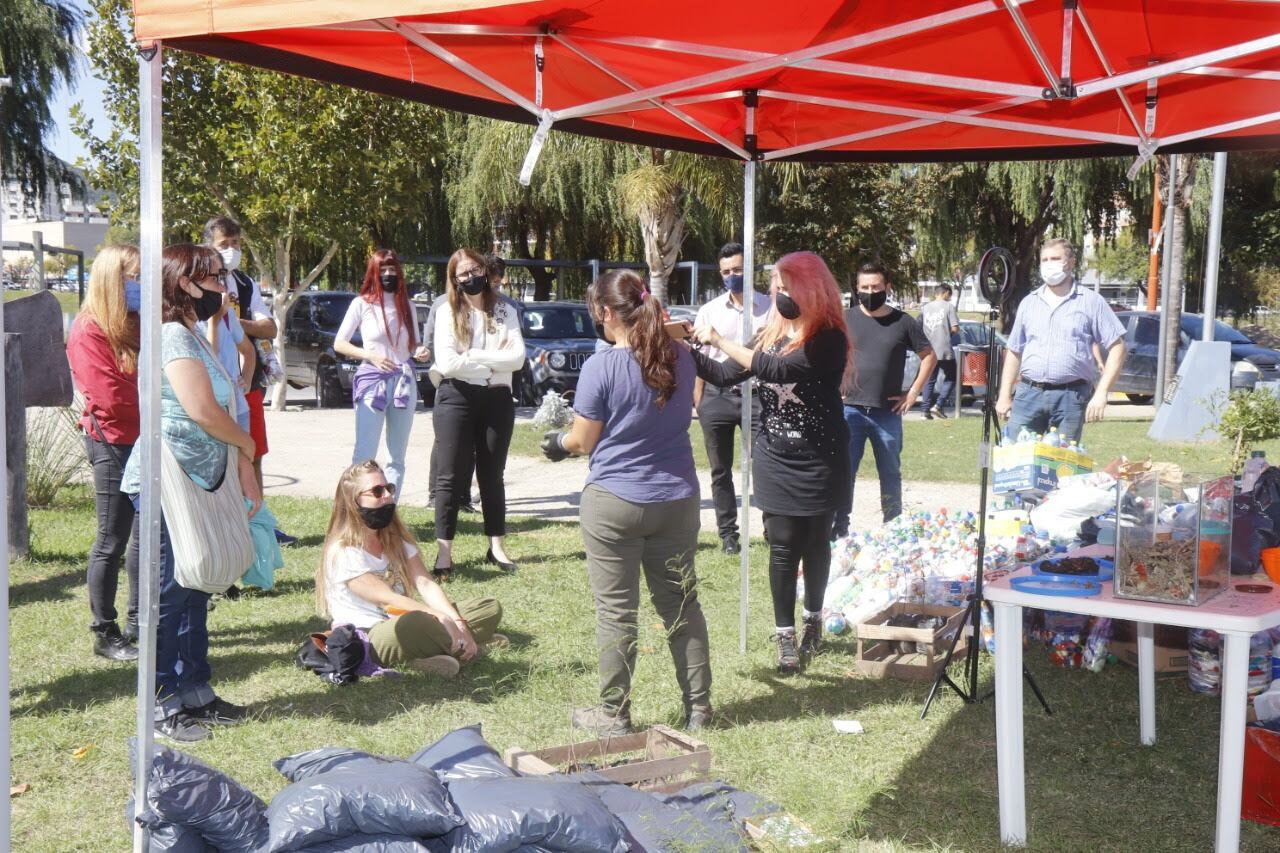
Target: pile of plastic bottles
(1052,438)
(1204,673)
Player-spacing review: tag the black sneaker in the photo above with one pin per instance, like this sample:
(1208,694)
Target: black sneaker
(181,727)
(699,718)
(730,544)
(811,640)
(928,414)
(109,643)
(284,539)
(219,712)
(938,413)
(788,657)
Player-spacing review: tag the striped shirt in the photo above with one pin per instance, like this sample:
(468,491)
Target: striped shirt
(1055,342)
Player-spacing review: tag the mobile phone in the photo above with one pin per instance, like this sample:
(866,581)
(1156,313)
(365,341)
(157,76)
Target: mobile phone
(677,329)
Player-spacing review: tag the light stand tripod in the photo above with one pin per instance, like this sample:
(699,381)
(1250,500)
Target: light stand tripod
(990,423)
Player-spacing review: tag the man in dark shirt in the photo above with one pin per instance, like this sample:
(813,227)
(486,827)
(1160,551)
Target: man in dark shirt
(875,402)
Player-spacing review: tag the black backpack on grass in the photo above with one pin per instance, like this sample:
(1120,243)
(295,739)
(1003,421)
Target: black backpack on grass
(333,655)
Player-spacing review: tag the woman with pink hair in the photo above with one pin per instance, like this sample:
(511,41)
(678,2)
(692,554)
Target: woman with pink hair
(800,360)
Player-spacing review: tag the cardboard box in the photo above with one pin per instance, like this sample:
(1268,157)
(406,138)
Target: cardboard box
(1034,466)
(1167,659)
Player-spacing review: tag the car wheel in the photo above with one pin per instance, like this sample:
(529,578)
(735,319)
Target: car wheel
(1140,399)
(328,390)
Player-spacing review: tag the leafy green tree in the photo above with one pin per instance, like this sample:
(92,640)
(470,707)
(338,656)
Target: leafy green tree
(38,53)
(307,169)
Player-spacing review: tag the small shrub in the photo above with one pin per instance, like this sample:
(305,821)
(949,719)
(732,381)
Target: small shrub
(55,452)
(1247,418)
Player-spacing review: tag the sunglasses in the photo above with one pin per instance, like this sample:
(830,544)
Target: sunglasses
(381,490)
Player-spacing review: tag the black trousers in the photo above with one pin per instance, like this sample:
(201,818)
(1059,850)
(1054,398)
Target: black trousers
(720,415)
(473,425)
(792,539)
(117,533)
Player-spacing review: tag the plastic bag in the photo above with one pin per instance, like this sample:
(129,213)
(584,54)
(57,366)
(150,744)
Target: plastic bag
(400,799)
(1076,499)
(503,814)
(369,844)
(185,792)
(167,837)
(302,765)
(463,754)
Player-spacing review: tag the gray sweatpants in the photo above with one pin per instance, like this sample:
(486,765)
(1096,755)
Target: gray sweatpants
(621,538)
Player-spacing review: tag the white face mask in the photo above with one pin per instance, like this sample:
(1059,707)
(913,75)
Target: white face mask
(230,258)
(1053,272)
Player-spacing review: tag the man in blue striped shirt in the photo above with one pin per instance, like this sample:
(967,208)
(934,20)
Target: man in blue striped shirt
(1050,352)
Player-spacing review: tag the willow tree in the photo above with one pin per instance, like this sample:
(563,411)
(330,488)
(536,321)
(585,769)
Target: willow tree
(38,54)
(963,207)
(569,210)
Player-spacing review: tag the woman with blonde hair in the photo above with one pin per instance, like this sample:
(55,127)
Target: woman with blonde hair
(103,351)
(800,456)
(478,345)
(369,570)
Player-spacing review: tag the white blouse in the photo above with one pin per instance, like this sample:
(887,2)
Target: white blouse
(490,357)
(375,336)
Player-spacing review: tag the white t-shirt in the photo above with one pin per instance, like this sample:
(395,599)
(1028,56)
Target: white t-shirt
(489,357)
(342,565)
(374,334)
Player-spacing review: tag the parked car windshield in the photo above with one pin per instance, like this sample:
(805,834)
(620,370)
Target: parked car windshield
(1193,327)
(558,322)
(330,308)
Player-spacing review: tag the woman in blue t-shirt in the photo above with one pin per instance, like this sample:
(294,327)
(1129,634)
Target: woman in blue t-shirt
(640,506)
(197,429)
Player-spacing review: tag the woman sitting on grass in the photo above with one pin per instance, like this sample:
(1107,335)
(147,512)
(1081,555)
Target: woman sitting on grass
(369,569)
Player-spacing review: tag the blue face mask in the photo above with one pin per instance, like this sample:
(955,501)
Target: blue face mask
(132,295)
(733,283)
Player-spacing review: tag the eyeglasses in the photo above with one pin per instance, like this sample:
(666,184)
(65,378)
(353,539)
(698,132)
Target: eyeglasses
(221,276)
(381,490)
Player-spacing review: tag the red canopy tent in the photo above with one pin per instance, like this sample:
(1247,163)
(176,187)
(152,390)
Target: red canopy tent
(879,80)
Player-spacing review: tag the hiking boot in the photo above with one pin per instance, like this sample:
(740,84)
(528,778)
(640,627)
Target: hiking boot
(219,712)
(937,413)
(788,657)
(698,718)
(130,632)
(441,666)
(600,722)
(811,639)
(730,544)
(109,643)
(181,727)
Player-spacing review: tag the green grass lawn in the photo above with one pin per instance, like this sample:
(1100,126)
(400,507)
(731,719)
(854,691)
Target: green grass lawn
(70,302)
(947,450)
(904,785)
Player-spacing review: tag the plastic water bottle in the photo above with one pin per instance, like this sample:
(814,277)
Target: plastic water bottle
(1204,649)
(1275,661)
(1253,468)
(1054,439)
(1259,663)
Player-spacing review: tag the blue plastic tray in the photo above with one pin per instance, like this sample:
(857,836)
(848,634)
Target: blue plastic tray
(1076,587)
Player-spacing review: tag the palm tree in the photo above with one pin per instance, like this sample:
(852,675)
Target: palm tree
(38,54)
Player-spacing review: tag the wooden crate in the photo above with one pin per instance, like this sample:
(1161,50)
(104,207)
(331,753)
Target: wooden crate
(878,658)
(663,759)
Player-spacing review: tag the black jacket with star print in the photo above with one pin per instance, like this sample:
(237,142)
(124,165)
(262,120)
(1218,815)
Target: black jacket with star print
(801,453)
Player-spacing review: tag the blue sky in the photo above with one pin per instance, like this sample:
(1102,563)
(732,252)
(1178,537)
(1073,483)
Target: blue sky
(88,91)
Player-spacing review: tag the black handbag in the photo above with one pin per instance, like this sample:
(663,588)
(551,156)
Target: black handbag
(333,655)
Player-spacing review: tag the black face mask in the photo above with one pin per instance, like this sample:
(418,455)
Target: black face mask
(874,300)
(377,517)
(473,286)
(390,281)
(207,303)
(786,306)
(600,332)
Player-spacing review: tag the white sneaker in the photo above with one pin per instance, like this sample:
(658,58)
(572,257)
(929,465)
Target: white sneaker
(443,666)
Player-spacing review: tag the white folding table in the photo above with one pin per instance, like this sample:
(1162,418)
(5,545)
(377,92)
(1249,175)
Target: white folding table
(1234,615)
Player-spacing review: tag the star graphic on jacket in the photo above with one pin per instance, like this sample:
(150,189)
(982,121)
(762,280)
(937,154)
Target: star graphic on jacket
(786,393)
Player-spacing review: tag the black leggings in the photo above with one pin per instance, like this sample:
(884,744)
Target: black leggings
(793,538)
(473,426)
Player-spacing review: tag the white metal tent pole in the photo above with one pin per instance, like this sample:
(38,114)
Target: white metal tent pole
(150,180)
(1215,244)
(1166,274)
(5,769)
(748,307)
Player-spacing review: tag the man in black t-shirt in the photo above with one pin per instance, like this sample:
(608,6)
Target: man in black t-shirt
(875,402)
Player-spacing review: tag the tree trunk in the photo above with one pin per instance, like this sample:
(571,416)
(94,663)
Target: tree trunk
(1177,255)
(284,299)
(663,232)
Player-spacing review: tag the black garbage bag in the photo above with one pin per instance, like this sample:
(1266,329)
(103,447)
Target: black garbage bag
(369,844)
(463,754)
(531,811)
(1251,531)
(401,798)
(333,655)
(654,825)
(167,837)
(302,765)
(187,793)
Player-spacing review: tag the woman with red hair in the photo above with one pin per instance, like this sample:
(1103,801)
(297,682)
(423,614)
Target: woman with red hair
(800,359)
(384,389)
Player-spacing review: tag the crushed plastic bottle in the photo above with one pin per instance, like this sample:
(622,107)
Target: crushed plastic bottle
(1204,649)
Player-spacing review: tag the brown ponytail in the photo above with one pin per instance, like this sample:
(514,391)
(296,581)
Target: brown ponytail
(624,293)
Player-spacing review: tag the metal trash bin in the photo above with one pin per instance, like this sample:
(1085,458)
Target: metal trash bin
(973,366)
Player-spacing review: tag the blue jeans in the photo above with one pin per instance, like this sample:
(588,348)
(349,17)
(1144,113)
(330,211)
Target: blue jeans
(1037,410)
(399,422)
(940,386)
(883,427)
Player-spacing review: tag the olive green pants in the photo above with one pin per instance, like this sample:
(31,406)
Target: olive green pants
(414,635)
(621,539)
